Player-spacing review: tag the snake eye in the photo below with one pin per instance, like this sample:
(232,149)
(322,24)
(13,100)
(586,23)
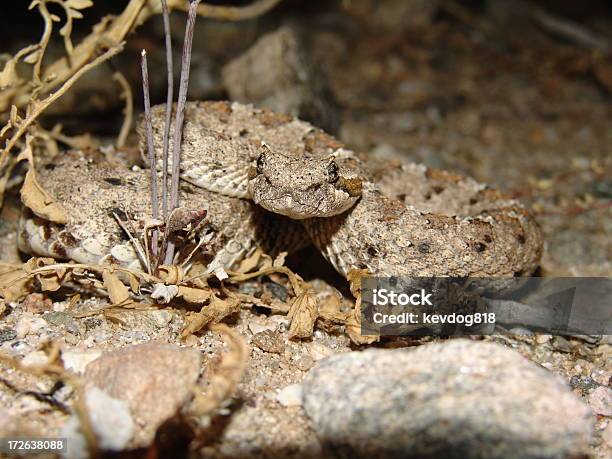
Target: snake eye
(261,163)
(332,172)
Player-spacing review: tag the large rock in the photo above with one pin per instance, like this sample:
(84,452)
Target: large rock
(457,399)
(277,73)
(154,380)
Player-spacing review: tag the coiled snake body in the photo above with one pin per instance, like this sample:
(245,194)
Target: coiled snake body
(389,218)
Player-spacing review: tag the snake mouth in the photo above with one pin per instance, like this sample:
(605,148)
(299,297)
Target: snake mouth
(323,201)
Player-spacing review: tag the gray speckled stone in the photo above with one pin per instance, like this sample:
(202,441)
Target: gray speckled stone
(456,399)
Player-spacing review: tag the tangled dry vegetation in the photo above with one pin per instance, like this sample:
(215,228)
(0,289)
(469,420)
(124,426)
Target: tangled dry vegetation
(28,86)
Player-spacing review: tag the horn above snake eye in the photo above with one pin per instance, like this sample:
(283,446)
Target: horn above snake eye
(332,172)
(261,163)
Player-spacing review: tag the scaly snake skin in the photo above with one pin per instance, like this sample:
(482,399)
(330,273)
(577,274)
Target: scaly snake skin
(361,213)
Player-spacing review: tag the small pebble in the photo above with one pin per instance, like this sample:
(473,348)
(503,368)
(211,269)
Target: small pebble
(600,400)
(278,291)
(281,323)
(161,318)
(110,418)
(269,341)
(35,359)
(290,395)
(561,344)
(257,327)
(303,361)
(7,334)
(58,318)
(584,383)
(29,324)
(36,303)
(76,360)
(319,351)
(91,323)
(603,377)
(542,339)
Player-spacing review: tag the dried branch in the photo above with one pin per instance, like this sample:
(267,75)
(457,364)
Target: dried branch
(169,99)
(180,114)
(224,381)
(108,33)
(112,30)
(150,148)
(44,41)
(570,31)
(135,243)
(230,13)
(39,106)
(128,111)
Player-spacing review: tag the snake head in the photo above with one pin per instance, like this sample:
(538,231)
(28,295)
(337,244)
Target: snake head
(303,186)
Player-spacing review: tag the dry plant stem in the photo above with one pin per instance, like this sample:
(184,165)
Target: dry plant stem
(141,254)
(78,141)
(169,99)
(180,114)
(150,148)
(95,268)
(570,31)
(108,32)
(224,381)
(126,93)
(230,13)
(44,41)
(39,106)
(113,30)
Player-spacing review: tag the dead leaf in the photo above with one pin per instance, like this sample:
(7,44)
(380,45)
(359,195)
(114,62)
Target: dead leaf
(13,281)
(117,292)
(329,308)
(184,218)
(303,314)
(35,197)
(279,260)
(353,324)
(170,274)
(194,295)
(134,282)
(213,312)
(8,76)
(50,281)
(250,262)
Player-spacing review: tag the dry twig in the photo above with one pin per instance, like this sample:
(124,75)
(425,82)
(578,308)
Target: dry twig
(224,381)
(169,99)
(150,150)
(180,114)
(39,106)
(128,112)
(108,32)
